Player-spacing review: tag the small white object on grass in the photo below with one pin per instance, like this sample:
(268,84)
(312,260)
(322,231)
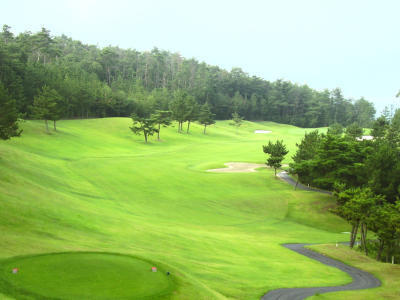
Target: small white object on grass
(365,137)
(15,270)
(262,131)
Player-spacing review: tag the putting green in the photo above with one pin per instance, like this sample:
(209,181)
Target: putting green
(84,276)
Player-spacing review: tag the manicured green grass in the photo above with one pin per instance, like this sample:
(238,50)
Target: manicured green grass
(84,275)
(388,274)
(94,186)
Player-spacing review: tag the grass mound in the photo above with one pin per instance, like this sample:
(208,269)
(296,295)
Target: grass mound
(83,276)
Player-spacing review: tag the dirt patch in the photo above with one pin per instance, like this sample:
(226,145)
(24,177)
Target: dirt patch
(238,167)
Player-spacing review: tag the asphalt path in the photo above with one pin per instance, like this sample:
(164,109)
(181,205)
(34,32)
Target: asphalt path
(360,279)
(285,177)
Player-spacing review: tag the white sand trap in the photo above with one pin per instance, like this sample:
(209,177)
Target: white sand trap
(365,137)
(262,131)
(238,167)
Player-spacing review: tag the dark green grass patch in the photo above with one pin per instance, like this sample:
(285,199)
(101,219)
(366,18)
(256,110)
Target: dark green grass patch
(83,276)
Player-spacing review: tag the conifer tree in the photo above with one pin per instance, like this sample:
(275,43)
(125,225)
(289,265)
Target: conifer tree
(277,152)
(143,125)
(162,118)
(8,116)
(206,117)
(237,120)
(46,106)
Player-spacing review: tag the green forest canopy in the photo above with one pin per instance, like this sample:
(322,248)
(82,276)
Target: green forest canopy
(111,81)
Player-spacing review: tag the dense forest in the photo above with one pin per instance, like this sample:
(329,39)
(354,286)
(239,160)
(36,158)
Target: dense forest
(365,178)
(88,81)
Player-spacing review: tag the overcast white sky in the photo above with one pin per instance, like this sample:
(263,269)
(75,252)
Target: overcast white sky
(351,44)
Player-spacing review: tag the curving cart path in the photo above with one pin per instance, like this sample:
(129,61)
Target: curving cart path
(285,177)
(361,279)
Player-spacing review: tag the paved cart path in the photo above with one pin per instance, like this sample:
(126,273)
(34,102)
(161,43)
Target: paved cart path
(361,279)
(285,177)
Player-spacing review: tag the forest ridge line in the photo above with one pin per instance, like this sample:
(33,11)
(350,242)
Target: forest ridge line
(108,82)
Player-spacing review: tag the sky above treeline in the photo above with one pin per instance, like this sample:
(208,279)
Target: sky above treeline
(351,44)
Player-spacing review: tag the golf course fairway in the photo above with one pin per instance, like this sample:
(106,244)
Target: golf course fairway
(86,276)
(94,187)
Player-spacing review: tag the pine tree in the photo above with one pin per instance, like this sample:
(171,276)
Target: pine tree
(162,118)
(46,106)
(8,116)
(143,125)
(277,152)
(237,120)
(206,117)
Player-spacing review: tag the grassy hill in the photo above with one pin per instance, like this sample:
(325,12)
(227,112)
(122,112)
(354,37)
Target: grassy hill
(94,186)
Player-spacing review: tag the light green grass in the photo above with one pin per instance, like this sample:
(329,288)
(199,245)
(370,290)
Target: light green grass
(94,186)
(388,274)
(80,275)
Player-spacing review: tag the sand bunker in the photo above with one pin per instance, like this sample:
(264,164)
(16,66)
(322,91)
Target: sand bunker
(262,131)
(238,167)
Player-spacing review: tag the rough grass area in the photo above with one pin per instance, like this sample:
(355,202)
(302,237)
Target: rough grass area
(84,276)
(94,186)
(388,274)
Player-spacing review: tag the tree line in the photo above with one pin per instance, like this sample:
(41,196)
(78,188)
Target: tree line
(182,109)
(364,176)
(83,81)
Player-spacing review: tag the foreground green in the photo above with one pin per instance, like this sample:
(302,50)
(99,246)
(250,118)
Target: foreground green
(93,186)
(84,276)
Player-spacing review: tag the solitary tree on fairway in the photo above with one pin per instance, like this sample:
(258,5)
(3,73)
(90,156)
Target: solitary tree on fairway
(206,117)
(161,117)
(237,120)
(277,152)
(46,106)
(143,125)
(8,116)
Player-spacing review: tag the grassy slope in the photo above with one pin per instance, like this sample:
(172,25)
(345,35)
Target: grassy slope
(93,186)
(388,274)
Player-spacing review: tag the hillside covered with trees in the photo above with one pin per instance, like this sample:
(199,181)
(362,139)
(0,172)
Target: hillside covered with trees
(87,81)
(364,176)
